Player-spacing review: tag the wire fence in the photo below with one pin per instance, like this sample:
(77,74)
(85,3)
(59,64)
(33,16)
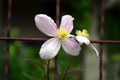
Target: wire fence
(101,41)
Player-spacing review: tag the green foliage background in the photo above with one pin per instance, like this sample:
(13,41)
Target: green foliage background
(24,60)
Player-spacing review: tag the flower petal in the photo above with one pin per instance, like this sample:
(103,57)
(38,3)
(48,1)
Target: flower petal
(94,49)
(71,46)
(46,25)
(67,23)
(82,40)
(50,48)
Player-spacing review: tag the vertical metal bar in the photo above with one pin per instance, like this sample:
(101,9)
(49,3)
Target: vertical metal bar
(1,14)
(7,41)
(101,44)
(57,22)
(57,11)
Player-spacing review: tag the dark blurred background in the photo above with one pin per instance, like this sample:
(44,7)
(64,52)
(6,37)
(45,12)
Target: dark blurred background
(24,60)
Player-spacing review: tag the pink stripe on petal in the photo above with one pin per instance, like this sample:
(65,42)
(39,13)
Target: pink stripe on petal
(50,48)
(67,23)
(46,25)
(71,46)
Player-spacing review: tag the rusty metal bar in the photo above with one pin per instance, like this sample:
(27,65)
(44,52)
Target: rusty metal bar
(106,41)
(44,39)
(1,14)
(101,37)
(57,22)
(23,39)
(7,41)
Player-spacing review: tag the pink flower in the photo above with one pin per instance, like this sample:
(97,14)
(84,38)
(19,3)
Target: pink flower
(82,37)
(61,36)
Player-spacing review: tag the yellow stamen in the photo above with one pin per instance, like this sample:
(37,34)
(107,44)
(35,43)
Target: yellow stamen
(62,34)
(84,33)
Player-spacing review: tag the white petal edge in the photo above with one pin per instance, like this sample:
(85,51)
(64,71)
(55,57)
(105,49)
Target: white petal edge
(46,25)
(94,49)
(82,40)
(67,23)
(50,48)
(71,47)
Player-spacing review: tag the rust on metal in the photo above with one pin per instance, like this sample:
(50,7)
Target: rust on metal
(44,39)
(101,38)
(57,22)
(7,41)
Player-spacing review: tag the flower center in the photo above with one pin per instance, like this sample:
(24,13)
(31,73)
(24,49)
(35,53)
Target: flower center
(84,33)
(62,33)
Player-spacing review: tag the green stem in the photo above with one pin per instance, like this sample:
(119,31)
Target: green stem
(48,70)
(67,68)
(56,68)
